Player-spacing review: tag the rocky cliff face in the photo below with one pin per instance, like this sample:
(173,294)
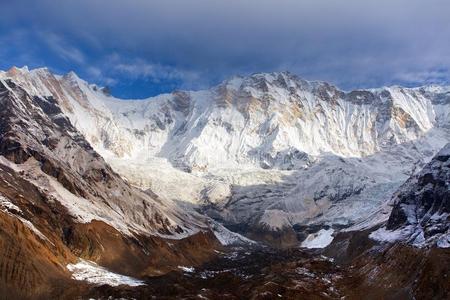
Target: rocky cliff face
(407,255)
(422,207)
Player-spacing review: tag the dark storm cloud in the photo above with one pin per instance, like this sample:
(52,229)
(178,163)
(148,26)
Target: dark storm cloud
(351,43)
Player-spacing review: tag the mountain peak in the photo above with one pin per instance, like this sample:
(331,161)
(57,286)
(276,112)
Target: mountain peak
(272,77)
(71,75)
(262,81)
(73,79)
(14,70)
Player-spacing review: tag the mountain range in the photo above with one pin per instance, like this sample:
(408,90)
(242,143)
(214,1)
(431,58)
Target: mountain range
(91,184)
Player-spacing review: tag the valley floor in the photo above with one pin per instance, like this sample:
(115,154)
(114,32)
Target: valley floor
(265,273)
(261,273)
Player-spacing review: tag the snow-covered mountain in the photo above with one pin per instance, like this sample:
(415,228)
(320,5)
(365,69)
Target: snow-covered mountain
(264,152)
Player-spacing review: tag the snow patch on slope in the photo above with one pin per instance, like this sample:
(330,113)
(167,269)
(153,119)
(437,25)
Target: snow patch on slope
(14,211)
(384,235)
(95,274)
(187,269)
(320,239)
(227,237)
(7,205)
(444,241)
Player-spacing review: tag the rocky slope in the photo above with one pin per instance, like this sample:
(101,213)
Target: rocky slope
(421,213)
(408,255)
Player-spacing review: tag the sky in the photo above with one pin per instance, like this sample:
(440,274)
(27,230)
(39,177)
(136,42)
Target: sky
(141,48)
